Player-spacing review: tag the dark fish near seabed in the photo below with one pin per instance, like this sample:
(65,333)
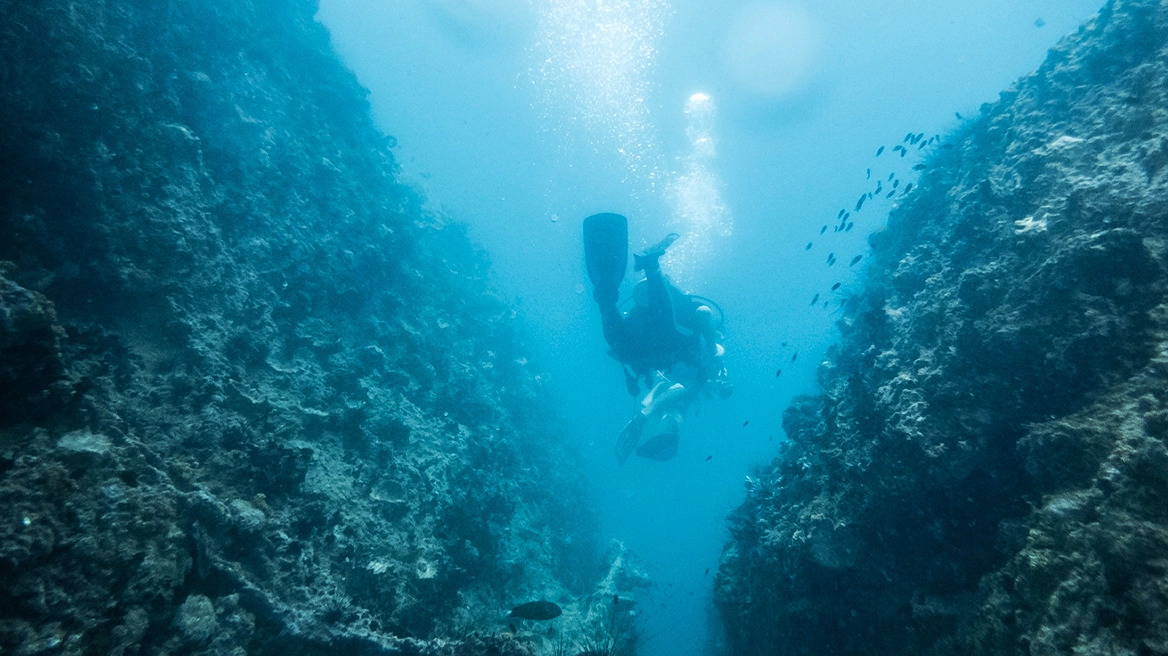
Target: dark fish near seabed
(879,150)
(830,256)
(891,176)
(709,458)
(794,356)
(919,167)
(807,247)
(860,203)
(959,116)
(745,423)
(814,300)
(835,286)
(660,447)
(536,610)
(840,214)
(879,188)
(778,373)
(908,188)
(707,571)
(895,184)
(855,260)
(868,175)
(823,230)
(907,137)
(850,225)
(890,194)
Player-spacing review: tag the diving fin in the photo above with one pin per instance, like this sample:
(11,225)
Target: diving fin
(658,249)
(606,252)
(648,258)
(629,436)
(660,447)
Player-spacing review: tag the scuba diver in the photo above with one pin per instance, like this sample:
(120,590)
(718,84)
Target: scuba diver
(667,342)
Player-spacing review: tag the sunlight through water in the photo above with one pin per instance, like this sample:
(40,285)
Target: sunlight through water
(594,69)
(594,63)
(771,49)
(695,196)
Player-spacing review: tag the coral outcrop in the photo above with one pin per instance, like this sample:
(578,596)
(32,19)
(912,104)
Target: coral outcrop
(986,469)
(254,398)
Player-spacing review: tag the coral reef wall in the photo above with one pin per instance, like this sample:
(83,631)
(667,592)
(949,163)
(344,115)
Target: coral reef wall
(254,398)
(986,469)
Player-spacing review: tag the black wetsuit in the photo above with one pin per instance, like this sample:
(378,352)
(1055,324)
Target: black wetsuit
(647,339)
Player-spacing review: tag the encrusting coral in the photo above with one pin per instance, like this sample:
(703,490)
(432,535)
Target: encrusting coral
(253,397)
(986,469)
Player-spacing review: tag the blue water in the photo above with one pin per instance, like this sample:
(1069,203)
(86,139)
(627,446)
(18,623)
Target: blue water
(520,117)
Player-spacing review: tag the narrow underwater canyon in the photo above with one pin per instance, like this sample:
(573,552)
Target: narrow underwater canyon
(986,468)
(257,395)
(254,397)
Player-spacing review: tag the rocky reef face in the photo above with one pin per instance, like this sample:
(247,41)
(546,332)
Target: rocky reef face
(254,398)
(986,470)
